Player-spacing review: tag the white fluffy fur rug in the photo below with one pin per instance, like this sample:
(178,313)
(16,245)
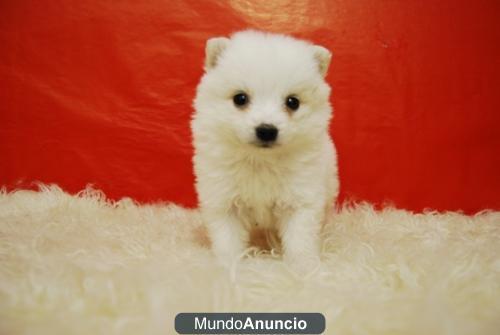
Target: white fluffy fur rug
(84,265)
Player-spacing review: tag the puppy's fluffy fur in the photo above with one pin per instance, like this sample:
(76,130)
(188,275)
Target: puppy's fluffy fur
(289,185)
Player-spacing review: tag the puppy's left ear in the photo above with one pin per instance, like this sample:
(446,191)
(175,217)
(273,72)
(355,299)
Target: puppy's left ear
(323,56)
(213,49)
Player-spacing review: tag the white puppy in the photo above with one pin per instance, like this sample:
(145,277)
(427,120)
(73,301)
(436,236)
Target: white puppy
(263,154)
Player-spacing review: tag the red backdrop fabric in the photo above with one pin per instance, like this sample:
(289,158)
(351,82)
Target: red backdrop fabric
(101,92)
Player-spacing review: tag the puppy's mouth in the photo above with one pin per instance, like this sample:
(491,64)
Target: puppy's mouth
(265,145)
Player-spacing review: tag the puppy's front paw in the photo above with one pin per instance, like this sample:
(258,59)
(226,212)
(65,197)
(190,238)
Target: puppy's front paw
(229,239)
(302,265)
(228,259)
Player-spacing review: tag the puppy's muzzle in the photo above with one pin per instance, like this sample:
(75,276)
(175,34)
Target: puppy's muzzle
(266,133)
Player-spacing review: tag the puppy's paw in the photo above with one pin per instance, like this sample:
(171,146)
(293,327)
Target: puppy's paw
(228,260)
(303,265)
(229,253)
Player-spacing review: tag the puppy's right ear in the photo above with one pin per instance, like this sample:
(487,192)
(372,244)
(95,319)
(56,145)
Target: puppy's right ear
(214,48)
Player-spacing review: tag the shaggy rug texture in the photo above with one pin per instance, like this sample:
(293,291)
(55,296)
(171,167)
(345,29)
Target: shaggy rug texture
(85,265)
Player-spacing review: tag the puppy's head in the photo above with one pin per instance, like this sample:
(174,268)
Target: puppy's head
(263,91)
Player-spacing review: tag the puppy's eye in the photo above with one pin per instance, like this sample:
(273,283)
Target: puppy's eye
(292,103)
(241,99)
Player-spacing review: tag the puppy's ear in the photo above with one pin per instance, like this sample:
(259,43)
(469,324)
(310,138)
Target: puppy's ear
(214,48)
(323,57)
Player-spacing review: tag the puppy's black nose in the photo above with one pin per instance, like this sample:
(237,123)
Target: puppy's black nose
(266,132)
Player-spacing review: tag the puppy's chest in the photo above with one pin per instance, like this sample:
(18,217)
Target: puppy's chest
(260,195)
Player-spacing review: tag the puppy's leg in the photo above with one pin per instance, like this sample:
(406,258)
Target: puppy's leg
(229,238)
(300,238)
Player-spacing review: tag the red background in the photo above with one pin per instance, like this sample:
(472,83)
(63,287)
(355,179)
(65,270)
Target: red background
(100,92)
